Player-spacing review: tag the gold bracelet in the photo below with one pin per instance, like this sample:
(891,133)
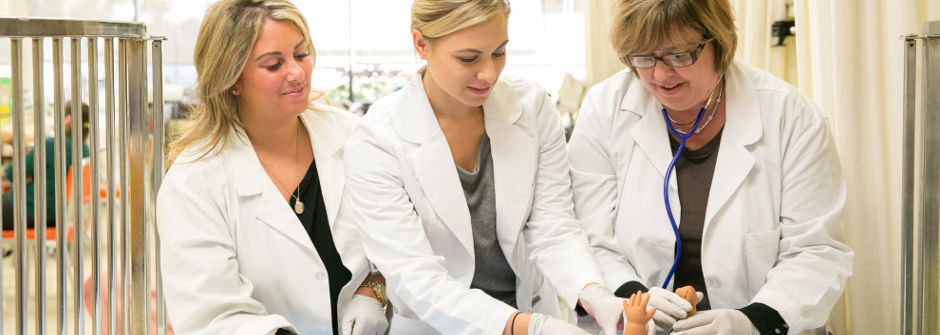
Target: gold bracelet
(378,288)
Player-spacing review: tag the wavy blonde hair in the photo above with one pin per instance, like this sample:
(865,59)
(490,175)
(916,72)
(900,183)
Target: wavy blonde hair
(226,37)
(438,18)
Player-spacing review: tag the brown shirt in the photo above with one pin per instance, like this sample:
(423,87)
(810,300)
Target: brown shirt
(694,171)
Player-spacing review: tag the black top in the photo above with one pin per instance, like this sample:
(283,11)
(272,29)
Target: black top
(317,225)
(694,172)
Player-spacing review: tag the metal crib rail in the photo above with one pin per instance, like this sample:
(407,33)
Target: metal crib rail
(921,183)
(121,219)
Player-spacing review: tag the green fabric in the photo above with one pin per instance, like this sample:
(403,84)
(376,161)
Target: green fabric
(50,175)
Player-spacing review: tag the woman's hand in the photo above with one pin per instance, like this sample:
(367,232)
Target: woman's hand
(364,315)
(669,307)
(604,306)
(716,321)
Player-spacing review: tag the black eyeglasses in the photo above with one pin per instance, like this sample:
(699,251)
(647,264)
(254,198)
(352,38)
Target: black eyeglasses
(674,60)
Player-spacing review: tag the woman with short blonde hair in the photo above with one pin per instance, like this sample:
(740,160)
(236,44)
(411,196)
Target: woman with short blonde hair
(740,158)
(647,24)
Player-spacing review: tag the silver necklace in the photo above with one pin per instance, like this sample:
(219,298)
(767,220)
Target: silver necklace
(710,116)
(678,123)
(707,102)
(298,205)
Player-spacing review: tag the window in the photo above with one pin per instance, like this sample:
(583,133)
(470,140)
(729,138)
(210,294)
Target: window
(367,39)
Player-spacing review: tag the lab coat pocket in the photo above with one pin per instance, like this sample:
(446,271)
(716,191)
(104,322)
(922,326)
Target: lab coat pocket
(650,256)
(760,257)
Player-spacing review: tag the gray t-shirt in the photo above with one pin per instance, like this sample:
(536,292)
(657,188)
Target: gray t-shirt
(493,274)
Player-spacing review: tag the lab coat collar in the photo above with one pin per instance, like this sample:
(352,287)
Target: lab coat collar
(251,179)
(743,127)
(437,174)
(436,171)
(515,159)
(327,140)
(416,122)
(742,109)
(649,132)
(433,163)
(502,106)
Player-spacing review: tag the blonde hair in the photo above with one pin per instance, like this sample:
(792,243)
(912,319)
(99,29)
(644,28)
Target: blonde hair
(438,18)
(226,37)
(639,26)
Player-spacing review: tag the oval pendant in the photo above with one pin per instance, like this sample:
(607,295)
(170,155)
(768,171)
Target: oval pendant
(298,207)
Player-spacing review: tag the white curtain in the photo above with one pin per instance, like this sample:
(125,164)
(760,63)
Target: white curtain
(600,59)
(756,45)
(849,55)
(754,20)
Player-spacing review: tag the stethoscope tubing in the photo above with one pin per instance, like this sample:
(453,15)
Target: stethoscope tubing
(675,227)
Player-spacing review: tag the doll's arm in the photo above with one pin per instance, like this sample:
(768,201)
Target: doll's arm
(688,293)
(636,314)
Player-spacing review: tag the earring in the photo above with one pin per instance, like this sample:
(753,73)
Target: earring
(234,92)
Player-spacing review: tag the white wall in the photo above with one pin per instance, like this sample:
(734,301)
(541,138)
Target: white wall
(543,45)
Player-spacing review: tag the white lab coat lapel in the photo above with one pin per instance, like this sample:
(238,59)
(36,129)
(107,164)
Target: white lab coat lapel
(433,163)
(325,139)
(514,163)
(267,202)
(743,127)
(649,132)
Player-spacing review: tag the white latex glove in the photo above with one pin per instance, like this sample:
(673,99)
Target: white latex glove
(669,307)
(716,321)
(604,306)
(363,316)
(541,324)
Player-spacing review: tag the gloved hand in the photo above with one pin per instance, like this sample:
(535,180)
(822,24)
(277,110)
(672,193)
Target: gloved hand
(669,307)
(651,328)
(716,321)
(604,306)
(363,316)
(541,324)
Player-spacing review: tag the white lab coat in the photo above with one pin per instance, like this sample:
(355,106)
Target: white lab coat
(236,260)
(772,224)
(404,190)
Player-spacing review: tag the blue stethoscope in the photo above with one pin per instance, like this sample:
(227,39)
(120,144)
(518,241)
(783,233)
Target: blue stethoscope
(682,138)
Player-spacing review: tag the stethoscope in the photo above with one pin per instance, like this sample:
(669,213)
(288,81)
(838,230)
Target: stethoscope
(682,138)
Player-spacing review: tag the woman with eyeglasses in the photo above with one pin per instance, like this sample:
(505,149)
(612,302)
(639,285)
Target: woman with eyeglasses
(690,168)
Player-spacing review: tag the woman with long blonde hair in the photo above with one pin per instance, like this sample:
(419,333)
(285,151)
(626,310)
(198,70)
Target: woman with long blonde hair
(247,210)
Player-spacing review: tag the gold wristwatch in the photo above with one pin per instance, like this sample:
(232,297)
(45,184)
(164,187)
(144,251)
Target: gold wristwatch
(378,288)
